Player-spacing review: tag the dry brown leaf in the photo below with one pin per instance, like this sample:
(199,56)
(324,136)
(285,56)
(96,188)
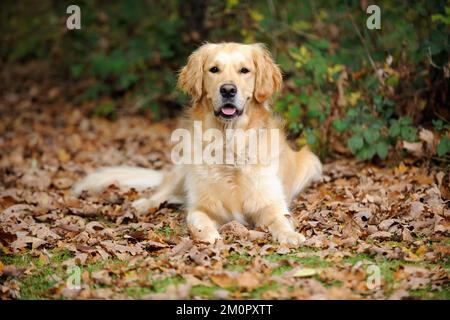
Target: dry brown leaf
(428,137)
(381,235)
(234,229)
(182,247)
(248,281)
(223,280)
(415,148)
(23,242)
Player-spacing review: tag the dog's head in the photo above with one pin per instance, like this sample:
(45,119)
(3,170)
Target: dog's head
(228,76)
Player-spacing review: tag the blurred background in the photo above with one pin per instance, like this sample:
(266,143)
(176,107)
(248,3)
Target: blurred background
(347,90)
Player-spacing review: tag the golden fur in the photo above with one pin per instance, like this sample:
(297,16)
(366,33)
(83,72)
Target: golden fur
(215,194)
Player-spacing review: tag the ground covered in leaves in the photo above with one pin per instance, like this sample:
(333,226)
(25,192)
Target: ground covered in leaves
(360,222)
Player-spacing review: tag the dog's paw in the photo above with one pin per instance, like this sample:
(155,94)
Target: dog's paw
(209,235)
(291,238)
(143,206)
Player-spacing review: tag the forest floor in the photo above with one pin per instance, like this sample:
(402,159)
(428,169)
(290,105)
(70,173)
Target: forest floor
(373,232)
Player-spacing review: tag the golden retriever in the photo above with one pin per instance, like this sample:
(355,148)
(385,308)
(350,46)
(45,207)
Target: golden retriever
(230,85)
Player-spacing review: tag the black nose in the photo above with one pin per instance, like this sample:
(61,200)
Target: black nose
(228,90)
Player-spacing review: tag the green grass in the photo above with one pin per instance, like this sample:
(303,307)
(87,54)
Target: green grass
(207,292)
(388,267)
(278,271)
(257,293)
(165,231)
(309,261)
(39,284)
(25,259)
(204,291)
(427,294)
(153,286)
(160,285)
(237,262)
(137,292)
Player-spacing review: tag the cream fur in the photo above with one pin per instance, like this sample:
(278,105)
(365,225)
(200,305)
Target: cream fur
(125,177)
(253,194)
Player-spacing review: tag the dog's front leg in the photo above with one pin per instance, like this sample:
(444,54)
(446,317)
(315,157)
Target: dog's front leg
(202,227)
(266,206)
(274,217)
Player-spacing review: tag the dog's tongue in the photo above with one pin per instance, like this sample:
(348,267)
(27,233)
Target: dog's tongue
(229,111)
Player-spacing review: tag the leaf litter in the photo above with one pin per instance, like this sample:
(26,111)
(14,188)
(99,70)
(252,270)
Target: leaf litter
(395,217)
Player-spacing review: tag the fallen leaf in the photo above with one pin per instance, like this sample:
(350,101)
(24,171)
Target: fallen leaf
(10,270)
(415,148)
(428,137)
(304,272)
(248,281)
(63,156)
(223,280)
(23,242)
(381,235)
(182,247)
(234,229)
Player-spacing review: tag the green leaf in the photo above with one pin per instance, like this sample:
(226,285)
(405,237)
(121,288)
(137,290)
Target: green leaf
(310,137)
(378,101)
(443,146)
(408,133)
(294,112)
(382,149)
(406,121)
(439,125)
(355,143)
(340,125)
(362,154)
(371,135)
(352,113)
(394,130)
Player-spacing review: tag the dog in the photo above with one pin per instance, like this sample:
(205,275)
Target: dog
(230,86)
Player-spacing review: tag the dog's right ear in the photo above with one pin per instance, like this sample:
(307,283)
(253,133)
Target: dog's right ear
(190,79)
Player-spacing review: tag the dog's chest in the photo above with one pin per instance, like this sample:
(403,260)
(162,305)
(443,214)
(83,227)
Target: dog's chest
(232,192)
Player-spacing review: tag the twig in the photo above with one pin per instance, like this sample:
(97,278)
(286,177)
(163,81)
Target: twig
(430,59)
(358,32)
(441,117)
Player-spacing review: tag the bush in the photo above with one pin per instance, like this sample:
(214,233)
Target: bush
(343,82)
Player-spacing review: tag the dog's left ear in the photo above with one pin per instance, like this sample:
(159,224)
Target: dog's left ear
(190,79)
(268,74)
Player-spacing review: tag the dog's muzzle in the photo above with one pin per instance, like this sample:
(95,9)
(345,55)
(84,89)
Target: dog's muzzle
(228,111)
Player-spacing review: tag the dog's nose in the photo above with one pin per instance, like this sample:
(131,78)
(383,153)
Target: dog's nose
(228,90)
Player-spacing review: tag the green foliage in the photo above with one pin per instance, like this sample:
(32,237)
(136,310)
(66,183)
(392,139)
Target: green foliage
(368,88)
(444,18)
(374,130)
(106,109)
(443,147)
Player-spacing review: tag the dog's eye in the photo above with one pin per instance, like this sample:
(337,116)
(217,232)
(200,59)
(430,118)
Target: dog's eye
(244,70)
(214,70)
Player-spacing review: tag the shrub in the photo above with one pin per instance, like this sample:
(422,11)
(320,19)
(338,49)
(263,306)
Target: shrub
(368,88)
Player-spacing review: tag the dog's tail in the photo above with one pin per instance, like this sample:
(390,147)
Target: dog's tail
(123,177)
(309,169)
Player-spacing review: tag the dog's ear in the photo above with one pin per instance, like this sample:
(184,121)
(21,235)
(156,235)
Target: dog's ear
(190,79)
(268,74)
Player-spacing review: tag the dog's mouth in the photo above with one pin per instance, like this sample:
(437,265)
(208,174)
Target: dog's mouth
(228,112)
